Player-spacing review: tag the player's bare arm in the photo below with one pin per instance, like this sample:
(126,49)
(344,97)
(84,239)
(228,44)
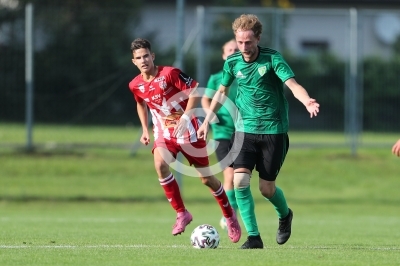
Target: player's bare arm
(301,94)
(143,117)
(206,102)
(216,103)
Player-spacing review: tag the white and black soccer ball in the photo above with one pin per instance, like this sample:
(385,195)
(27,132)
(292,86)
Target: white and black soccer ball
(204,236)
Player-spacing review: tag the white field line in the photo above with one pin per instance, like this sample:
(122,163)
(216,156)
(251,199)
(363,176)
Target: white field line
(89,246)
(87,220)
(139,246)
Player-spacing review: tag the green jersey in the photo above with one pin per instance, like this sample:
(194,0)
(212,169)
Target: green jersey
(225,126)
(260,98)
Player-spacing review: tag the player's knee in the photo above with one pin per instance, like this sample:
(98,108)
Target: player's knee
(241,180)
(211,182)
(161,167)
(267,189)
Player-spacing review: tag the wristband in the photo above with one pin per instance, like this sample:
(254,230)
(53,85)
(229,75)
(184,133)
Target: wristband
(184,116)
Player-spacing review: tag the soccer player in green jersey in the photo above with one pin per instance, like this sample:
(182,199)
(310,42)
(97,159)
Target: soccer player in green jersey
(224,127)
(261,140)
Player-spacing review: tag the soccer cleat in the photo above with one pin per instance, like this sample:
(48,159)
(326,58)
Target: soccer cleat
(222,223)
(182,220)
(284,229)
(234,230)
(253,242)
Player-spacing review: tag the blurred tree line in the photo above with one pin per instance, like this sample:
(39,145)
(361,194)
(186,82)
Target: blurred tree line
(83,67)
(82,61)
(324,78)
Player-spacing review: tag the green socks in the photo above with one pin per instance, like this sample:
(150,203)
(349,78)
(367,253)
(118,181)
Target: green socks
(279,202)
(232,199)
(245,201)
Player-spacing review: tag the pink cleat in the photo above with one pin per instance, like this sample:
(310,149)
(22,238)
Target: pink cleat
(234,230)
(182,220)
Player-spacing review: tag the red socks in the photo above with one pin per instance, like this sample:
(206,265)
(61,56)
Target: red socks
(223,201)
(172,192)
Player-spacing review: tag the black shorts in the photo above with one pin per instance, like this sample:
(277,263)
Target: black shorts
(222,152)
(266,152)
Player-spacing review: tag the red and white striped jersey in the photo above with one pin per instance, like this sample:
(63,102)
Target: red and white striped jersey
(167,96)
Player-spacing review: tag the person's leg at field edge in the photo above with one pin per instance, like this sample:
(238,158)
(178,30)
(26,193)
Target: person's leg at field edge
(171,188)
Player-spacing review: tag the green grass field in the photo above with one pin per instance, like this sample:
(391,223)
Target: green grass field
(99,205)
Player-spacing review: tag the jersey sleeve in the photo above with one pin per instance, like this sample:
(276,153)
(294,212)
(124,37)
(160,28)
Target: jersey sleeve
(137,99)
(212,85)
(227,75)
(182,82)
(281,68)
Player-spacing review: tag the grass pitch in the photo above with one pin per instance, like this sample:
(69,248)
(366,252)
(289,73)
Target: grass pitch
(102,233)
(102,206)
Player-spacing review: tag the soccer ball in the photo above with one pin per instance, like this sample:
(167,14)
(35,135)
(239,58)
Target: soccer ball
(204,236)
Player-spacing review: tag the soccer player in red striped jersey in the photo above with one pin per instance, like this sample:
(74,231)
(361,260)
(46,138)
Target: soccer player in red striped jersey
(171,97)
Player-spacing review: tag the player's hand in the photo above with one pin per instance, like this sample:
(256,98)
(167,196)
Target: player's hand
(145,138)
(181,127)
(202,131)
(312,107)
(396,148)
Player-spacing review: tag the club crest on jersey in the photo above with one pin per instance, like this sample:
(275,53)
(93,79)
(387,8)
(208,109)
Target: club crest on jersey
(141,88)
(262,70)
(162,84)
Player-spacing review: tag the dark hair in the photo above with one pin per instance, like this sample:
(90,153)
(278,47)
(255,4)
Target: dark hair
(139,43)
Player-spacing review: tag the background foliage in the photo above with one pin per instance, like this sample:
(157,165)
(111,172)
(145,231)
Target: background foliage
(83,66)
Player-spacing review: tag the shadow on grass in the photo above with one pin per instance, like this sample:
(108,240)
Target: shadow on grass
(42,152)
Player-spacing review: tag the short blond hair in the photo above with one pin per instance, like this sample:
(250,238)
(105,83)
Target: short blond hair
(247,22)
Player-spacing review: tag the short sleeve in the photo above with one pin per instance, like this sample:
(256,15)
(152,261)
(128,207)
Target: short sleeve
(212,85)
(137,99)
(227,74)
(182,81)
(131,88)
(281,68)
